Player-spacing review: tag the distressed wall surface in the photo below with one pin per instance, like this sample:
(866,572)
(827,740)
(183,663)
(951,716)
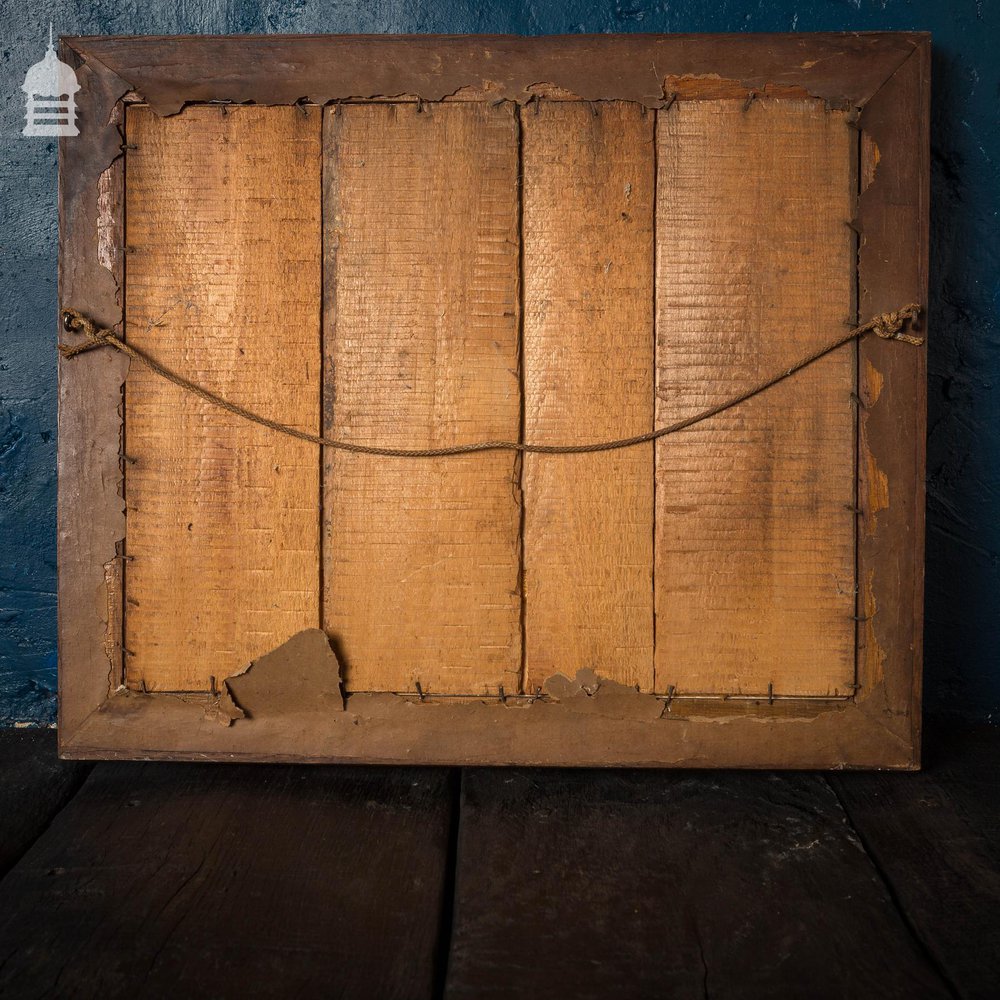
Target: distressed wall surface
(962,672)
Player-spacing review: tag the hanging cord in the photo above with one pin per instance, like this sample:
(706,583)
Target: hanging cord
(887,325)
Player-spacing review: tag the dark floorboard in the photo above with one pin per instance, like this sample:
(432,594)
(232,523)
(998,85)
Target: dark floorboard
(935,836)
(172,880)
(34,786)
(161,880)
(600,884)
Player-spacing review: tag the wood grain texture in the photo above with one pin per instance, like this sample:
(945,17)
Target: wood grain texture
(91,517)
(229,882)
(755,543)
(421,556)
(936,840)
(223,284)
(588,376)
(843,67)
(632,885)
(893,261)
(34,786)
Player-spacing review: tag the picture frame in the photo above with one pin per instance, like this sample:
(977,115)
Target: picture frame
(884,77)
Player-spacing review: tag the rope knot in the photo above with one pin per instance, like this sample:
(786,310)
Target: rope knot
(76,322)
(889,325)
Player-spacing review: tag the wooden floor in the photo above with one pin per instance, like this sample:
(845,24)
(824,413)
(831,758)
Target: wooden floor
(160,880)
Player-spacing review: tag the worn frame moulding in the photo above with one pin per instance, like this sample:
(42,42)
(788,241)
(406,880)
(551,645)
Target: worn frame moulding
(885,77)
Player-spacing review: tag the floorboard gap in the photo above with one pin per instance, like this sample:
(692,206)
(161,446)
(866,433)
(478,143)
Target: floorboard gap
(448,892)
(890,889)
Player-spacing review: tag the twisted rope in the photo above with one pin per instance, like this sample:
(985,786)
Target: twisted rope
(887,325)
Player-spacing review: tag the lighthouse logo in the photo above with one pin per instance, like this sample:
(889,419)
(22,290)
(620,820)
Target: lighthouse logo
(50,87)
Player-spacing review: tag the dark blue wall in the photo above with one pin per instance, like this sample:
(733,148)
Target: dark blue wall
(963,467)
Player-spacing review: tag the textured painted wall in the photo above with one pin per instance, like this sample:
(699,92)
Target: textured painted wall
(963,543)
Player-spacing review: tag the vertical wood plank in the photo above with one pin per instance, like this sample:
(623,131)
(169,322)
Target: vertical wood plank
(223,284)
(588,375)
(421,567)
(755,541)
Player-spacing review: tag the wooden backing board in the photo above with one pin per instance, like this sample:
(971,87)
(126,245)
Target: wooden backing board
(422,556)
(878,726)
(754,526)
(223,283)
(588,376)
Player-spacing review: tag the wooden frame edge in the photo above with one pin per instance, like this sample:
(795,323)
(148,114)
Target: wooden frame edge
(90,514)
(881,729)
(562,735)
(894,214)
(638,67)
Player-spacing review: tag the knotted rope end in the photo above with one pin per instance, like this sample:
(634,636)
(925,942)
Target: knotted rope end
(889,325)
(76,322)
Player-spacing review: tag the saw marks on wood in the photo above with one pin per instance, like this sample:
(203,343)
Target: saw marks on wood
(588,376)
(421,556)
(737,533)
(223,215)
(754,539)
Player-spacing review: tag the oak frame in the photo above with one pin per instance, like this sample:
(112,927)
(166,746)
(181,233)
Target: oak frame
(885,76)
